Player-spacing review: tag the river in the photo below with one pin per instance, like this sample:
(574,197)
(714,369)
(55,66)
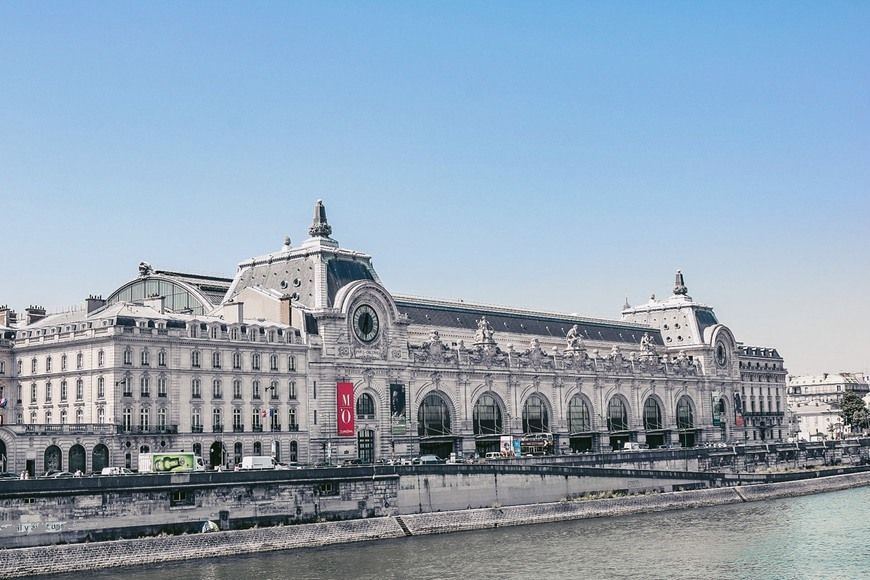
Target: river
(809,537)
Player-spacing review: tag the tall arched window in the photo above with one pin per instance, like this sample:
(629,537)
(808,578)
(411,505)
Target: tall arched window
(535,416)
(652,415)
(617,416)
(685,418)
(578,415)
(365,406)
(433,417)
(487,416)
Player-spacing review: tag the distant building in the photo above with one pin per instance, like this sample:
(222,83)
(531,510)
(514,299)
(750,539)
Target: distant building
(306,356)
(815,402)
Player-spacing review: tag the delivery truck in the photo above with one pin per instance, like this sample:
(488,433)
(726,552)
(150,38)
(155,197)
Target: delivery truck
(170,462)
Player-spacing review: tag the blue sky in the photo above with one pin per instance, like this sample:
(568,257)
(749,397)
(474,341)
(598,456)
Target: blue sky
(558,155)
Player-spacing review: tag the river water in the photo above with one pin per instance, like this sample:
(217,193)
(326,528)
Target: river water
(810,537)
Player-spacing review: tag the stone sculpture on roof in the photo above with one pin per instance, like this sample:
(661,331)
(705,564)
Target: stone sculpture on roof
(320,227)
(573,339)
(484,333)
(680,285)
(145,269)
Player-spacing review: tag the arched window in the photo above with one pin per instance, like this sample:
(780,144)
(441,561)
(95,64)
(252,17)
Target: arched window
(617,416)
(365,406)
(273,362)
(79,361)
(291,363)
(487,416)
(535,416)
(63,416)
(194,359)
(433,417)
(652,415)
(685,418)
(216,360)
(145,358)
(237,452)
(255,361)
(578,415)
(237,360)
(80,416)
(101,388)
(258,448)
(294,451)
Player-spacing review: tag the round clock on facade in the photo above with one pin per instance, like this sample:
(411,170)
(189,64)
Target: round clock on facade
(365,323)
(721,354)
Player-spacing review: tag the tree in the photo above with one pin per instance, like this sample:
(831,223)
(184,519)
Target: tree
(854,412)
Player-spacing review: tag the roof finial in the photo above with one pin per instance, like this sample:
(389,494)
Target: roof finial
(680,285)
(319,227)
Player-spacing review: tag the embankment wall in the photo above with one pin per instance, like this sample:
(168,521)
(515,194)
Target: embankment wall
(78,557)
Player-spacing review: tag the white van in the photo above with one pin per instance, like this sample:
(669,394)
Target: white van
(116,471)
(494,455)
(260,462)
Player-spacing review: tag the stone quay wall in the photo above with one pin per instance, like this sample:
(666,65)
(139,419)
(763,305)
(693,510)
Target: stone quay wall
(22,562)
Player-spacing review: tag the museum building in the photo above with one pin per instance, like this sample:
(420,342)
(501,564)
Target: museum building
(306,356)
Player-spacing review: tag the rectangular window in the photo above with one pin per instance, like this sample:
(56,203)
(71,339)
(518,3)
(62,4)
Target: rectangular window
(291,363)
(128,387)
(237,389)
(128,357)
(63,391)
(216,390)
(273,389)
(161,387)
(144,387)
(33,393)
(255,420)
(101,388)
(80,390)
(292,389)
(47,391)
(161,358)
(144,358)
(195,389)
(255,389)
(216,360)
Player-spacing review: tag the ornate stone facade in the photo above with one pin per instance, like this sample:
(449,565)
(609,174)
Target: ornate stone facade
(250,365)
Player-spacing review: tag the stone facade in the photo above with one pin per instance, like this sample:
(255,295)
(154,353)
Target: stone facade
(305,355)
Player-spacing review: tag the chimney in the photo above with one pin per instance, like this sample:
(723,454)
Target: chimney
(94,303)
(155,302)
(34,314)
(5,315)
(285,309)
(234,312)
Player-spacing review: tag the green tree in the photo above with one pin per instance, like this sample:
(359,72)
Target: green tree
(854,412)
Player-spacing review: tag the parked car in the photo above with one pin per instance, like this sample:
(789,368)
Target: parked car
(116,471)
(54,474)
(430,459)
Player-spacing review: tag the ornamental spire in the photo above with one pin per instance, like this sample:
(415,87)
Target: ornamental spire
(680,285)
(319,228)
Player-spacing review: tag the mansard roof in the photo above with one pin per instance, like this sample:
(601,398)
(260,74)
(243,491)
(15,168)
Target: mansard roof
(433,313)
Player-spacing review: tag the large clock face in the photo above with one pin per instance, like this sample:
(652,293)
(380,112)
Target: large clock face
(365,323)
(721,354)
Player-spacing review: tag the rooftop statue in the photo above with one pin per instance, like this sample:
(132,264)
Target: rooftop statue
(484,332)
(573,339)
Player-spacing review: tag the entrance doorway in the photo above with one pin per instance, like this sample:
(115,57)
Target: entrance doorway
(217,455)
(366,445)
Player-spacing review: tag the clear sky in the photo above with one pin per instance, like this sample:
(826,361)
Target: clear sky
(559,156)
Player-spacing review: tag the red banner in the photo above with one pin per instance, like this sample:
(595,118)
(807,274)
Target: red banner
(344,409)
